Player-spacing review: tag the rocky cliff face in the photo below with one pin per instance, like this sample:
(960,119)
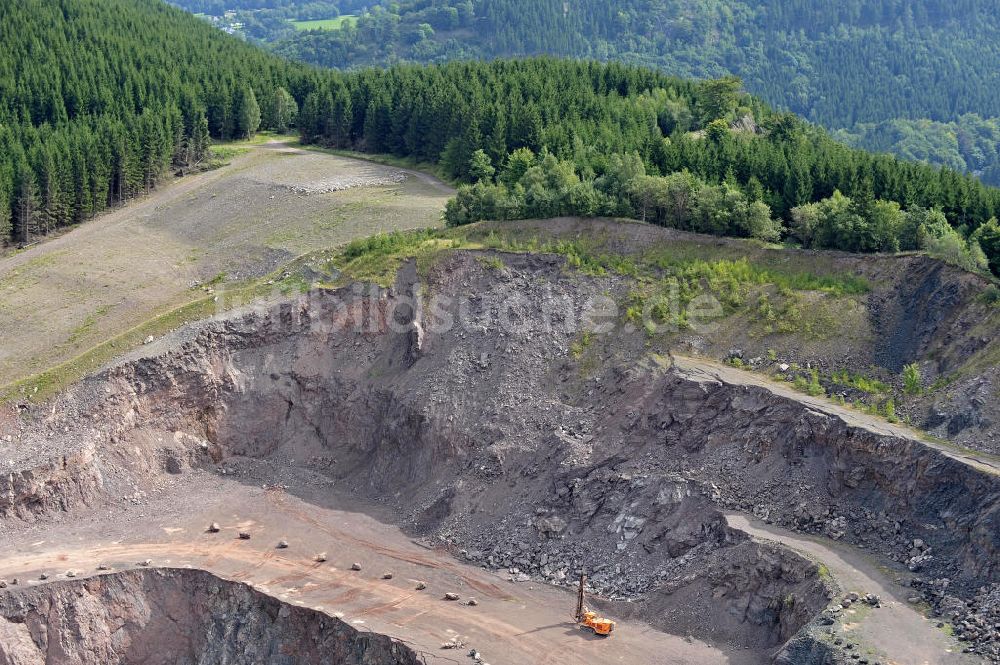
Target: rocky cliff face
(57,484)
(521,455)
(176,617)
(808,467)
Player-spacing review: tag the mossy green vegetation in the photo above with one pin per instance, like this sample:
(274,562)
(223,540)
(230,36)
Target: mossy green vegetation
(577,349)
(867,394)
(810,386)
(911,379)
(665,279)
(991,295)
(378,258)
(860,382)
(492,262)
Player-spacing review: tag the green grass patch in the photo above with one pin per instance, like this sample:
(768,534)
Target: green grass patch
(809,385)
(386,244)
(492,262)
(88,324)
(43,385)
(742,271)
(782,314)
(860,382)
(378,258)
(223,154)
(326,23)
(577,348)
(991,295)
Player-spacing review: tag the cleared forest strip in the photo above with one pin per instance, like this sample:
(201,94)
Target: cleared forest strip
(161,258)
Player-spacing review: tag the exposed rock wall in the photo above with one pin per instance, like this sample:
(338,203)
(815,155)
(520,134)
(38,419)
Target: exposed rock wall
(501,444)
(176,617)
(54,485)
(814,471)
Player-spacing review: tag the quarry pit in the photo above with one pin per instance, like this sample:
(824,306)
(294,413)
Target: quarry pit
(720,517)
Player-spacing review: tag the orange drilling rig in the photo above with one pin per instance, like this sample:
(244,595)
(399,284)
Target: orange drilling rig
(589,620)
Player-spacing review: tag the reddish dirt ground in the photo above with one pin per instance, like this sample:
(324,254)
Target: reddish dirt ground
(513,623)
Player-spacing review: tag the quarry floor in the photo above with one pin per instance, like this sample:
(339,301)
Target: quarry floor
(513,623)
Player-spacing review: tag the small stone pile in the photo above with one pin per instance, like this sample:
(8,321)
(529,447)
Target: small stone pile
(976,622)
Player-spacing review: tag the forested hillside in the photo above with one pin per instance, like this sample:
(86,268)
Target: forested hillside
(548,137)
(101,97)
(286,8)
(836,64)
(847,65)
(971,143)
(98,98)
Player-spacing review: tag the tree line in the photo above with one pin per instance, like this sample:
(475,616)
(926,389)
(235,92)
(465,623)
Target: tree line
(854,65)
(100,98)
(542,137)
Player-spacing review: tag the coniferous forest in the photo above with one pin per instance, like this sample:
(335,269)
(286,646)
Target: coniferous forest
(885,71)
(102,97)
(545,137)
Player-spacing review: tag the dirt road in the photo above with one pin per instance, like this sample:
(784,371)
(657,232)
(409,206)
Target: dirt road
(896,628)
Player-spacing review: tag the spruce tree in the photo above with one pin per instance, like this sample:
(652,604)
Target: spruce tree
(26,211)
(5,203)
(200,140)
(246,113)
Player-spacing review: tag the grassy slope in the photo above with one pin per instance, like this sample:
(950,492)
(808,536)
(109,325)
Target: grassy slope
(69,304)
